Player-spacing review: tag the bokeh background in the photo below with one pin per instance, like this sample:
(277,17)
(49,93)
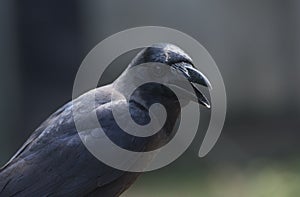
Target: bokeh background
(256,45)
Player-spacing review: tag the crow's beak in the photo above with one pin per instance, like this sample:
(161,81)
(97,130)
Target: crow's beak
(194,77)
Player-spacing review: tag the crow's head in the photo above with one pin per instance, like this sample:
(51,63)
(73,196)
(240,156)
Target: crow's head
(169,62)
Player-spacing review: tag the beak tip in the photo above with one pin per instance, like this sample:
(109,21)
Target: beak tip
(208,84)
(207,105)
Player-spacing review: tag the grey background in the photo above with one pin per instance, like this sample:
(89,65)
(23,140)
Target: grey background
(256,45)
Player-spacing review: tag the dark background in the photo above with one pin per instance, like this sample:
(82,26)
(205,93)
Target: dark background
(255,44)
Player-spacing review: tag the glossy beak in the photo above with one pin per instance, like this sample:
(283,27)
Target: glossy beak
(195,77)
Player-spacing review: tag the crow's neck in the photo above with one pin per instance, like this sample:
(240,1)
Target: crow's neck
(148,94)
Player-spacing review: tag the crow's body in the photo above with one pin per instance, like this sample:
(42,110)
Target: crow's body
(55,162)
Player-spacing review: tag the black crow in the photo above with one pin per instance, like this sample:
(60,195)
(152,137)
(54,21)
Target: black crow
(55,162)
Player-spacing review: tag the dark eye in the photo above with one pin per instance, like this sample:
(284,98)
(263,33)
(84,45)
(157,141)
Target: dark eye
(158,71)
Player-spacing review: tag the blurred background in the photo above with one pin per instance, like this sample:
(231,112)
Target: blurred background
(256,45)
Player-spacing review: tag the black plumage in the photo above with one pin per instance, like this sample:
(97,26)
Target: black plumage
(54,161)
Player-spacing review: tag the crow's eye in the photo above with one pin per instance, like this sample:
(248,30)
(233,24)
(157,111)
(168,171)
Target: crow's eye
(158,71)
